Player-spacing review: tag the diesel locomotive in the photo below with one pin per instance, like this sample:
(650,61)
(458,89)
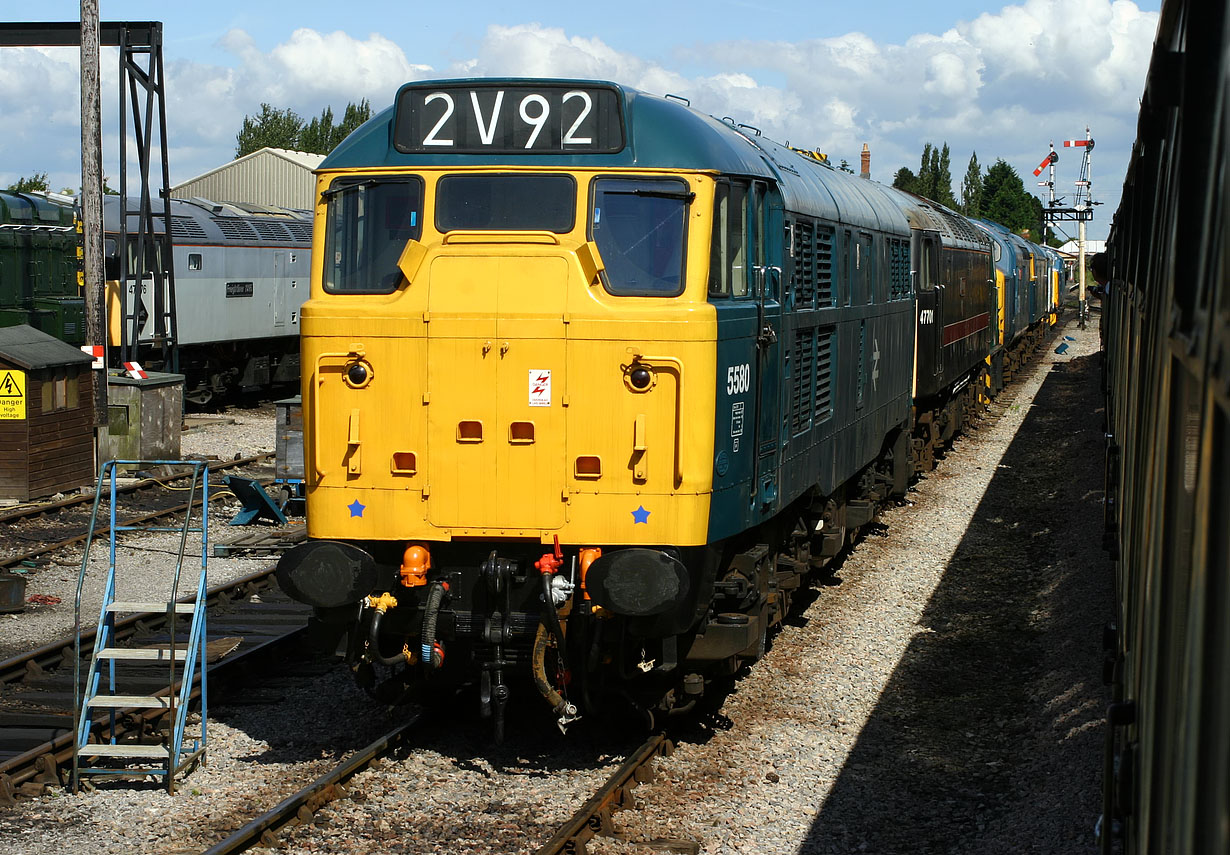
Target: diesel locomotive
(592,381)
(240,276)
(241,273)
(39,243)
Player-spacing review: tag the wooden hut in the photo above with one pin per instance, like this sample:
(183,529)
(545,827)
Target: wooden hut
(46,415)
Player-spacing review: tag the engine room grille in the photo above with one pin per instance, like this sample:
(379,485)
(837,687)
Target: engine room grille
(960,227)
(300,231)
(270,230)
(804,279)
(824,374)
(804,358)
(233,229)
(824,267)
(186,227)
(862,363)
(898,270)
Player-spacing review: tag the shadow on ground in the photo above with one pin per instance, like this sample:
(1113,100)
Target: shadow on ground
(989,732)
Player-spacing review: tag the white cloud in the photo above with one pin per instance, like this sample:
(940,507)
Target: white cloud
(531,50)
(1004,84)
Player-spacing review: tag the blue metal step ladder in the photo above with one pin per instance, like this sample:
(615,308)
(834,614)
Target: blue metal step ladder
(98,700)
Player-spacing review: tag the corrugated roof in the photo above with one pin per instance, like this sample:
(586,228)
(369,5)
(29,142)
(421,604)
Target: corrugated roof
(305,159)
(33,349)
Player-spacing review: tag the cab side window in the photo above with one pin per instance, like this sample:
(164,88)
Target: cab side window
(728,260)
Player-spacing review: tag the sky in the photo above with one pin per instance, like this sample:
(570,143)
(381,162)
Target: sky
(1001,81)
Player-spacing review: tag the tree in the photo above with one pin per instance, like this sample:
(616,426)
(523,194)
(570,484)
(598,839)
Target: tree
(355,115)
(906,180)
(36,183)
(971,189)
(926,179)
(1005,201)
(934,179)
(272,128)
(941,172)
(286,129)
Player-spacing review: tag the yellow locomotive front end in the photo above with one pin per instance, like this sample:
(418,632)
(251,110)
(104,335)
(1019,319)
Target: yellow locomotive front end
(502,370)
(510,378)
(508,354)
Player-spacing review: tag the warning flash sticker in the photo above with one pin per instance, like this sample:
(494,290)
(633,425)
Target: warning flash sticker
(12,394)
(540,388)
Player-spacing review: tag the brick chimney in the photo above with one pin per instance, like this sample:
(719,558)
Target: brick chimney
(866,173)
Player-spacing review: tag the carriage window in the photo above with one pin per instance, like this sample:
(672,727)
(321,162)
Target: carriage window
(369,222)
(640,228)
(194,261)
(506,203)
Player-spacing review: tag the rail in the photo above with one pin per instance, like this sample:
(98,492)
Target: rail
(595,816)
(39,763)
(138,520)
(263,830)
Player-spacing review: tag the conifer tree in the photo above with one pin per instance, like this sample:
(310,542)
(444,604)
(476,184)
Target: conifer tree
(276,128)
(1005,201)
(971,189)
(906,180)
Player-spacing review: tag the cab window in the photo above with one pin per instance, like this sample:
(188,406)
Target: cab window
(640,227)
(516,202)
(368,223)
(728,268)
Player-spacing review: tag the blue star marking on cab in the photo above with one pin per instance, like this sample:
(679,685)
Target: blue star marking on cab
(640,515)
(357,508)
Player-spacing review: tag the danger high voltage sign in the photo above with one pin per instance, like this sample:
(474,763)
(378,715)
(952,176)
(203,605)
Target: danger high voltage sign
(12,395)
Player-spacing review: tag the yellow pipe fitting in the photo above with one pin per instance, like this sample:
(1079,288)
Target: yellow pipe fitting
(382,603)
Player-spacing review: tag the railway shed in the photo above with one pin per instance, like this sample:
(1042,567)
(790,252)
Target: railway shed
(46,415)
(268,176)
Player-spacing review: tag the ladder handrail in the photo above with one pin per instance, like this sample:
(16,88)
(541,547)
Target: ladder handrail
(194,654)
(80,721)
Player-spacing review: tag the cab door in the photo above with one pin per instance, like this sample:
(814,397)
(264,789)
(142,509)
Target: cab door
(930,313)
(764,223)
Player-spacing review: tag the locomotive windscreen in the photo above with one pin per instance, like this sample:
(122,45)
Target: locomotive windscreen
(513,202)
(367,227)
(480,117)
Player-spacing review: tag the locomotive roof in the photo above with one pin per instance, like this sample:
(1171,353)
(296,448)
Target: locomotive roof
(34,209)
(1016,246)
(203,221)
(667,133)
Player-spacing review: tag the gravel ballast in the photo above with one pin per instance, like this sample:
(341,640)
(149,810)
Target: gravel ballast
(145,562)
(940,693)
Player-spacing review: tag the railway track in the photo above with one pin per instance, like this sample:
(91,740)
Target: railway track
(248,617)
(301,806)
(595,818)
(84,502)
